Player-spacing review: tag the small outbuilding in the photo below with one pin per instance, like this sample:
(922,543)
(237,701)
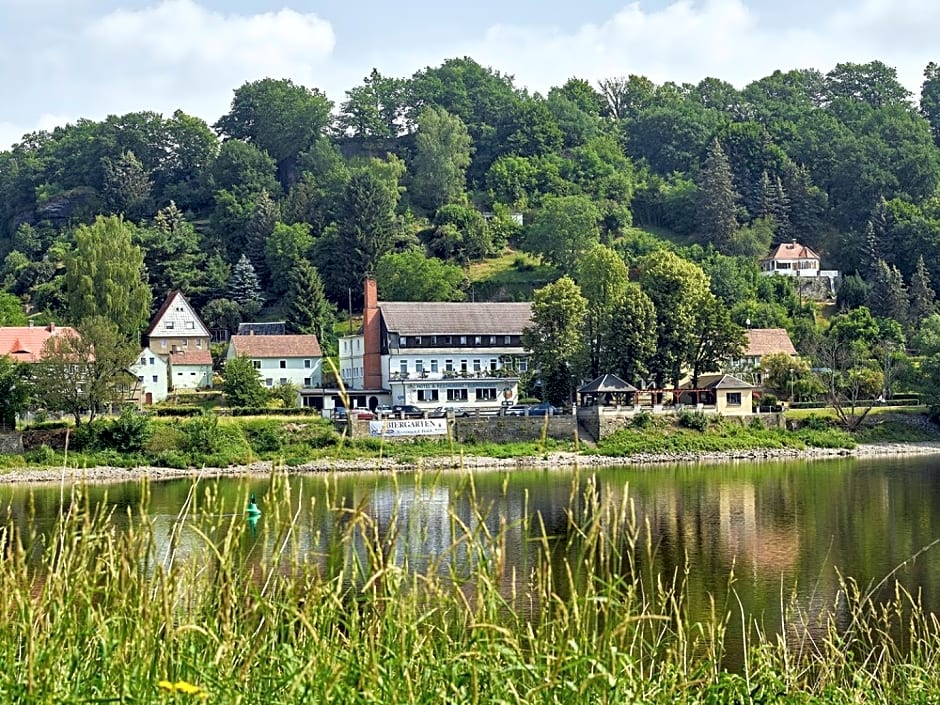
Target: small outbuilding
(725,394)
(608,390)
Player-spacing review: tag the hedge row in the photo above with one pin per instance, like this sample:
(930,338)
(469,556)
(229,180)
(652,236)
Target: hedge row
(242,411)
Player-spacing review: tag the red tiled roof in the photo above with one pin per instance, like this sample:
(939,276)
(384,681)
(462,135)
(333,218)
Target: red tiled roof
(190,357)
(24,343)
(768,341)
(792,250)
(276,345)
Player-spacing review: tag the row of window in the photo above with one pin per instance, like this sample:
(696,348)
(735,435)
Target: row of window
(163,343)
(462,394)
(462,366)
(187,325)
(416,341)
(282,364)
(269,381)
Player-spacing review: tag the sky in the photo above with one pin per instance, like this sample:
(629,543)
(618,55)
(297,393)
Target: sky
(61,60)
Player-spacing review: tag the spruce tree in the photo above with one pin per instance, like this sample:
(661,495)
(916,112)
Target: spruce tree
(923,298)
(260,226)
(244,288)
(717,202)
(308,310)
(888,295)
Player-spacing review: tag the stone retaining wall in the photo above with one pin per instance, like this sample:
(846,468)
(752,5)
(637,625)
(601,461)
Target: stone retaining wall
(11,442)
(506,429)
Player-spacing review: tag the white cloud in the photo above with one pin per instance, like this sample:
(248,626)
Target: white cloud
(179,54)
(173,54)
(687,41)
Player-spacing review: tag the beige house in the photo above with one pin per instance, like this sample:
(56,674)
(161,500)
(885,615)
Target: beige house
(722,393)
(761,342)
(176,326)
(178,336)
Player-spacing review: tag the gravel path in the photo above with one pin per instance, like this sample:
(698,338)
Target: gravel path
(551,460)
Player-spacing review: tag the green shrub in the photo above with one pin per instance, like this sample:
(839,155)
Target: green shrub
(264,438)
(128,433)
(178,411)
(816,423)
(696,420)
(201,434)
(88,435)
(43,455)
(643,420)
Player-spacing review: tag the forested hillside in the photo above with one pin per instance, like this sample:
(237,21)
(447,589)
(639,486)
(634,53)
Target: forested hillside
(293,195)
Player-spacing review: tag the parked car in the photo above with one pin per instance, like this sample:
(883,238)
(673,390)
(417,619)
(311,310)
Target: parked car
(408,411)
(516,410)
(446,410)
(340,414)
(382,411)
(543,408)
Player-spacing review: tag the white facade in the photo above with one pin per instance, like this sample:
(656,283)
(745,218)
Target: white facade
(281,359)
(473,378)
(152,376)
(351,351)
(186,376)
(301,372)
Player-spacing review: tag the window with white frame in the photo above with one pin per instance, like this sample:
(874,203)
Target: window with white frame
(477,365)
(433,365)
(428,395)
(419,366)
(456,395)
(308,364)
(256,364)
(403,367)
(486,394)
(282,364)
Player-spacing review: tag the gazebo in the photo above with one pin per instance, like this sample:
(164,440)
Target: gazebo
(608,390)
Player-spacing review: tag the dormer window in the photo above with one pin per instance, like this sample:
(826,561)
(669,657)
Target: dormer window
(403,341)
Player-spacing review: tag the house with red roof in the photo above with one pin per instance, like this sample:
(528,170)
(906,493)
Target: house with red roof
(793,260)
(281,359)
(25,343)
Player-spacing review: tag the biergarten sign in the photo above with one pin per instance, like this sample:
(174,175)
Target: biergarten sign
(391,428)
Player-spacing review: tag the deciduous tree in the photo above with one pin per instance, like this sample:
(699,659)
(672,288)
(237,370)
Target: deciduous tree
(103,276)
(555,337)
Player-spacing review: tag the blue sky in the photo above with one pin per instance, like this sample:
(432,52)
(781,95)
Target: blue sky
(65,59)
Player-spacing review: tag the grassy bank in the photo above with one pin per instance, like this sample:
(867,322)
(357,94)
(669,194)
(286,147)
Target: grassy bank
(216,613)
(215,441)
(698,433)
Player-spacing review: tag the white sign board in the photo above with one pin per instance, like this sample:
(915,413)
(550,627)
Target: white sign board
(408,427)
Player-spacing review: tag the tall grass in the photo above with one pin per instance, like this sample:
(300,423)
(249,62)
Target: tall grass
(364,613)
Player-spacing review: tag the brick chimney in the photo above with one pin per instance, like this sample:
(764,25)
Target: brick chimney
(372,337)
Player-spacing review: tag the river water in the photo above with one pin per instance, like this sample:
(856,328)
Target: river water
(785,531)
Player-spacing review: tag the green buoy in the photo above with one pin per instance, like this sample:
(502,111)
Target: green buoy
(253,511)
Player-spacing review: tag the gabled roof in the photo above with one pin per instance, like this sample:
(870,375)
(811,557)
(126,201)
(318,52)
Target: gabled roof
(607,383)
(768,341)
(266,328)
(180,358)
(175,300)
(276,345)
(24,343)
(719,381)
(792,250)
(419,318)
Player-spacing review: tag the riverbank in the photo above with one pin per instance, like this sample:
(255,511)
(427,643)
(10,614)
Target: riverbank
(467,462)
